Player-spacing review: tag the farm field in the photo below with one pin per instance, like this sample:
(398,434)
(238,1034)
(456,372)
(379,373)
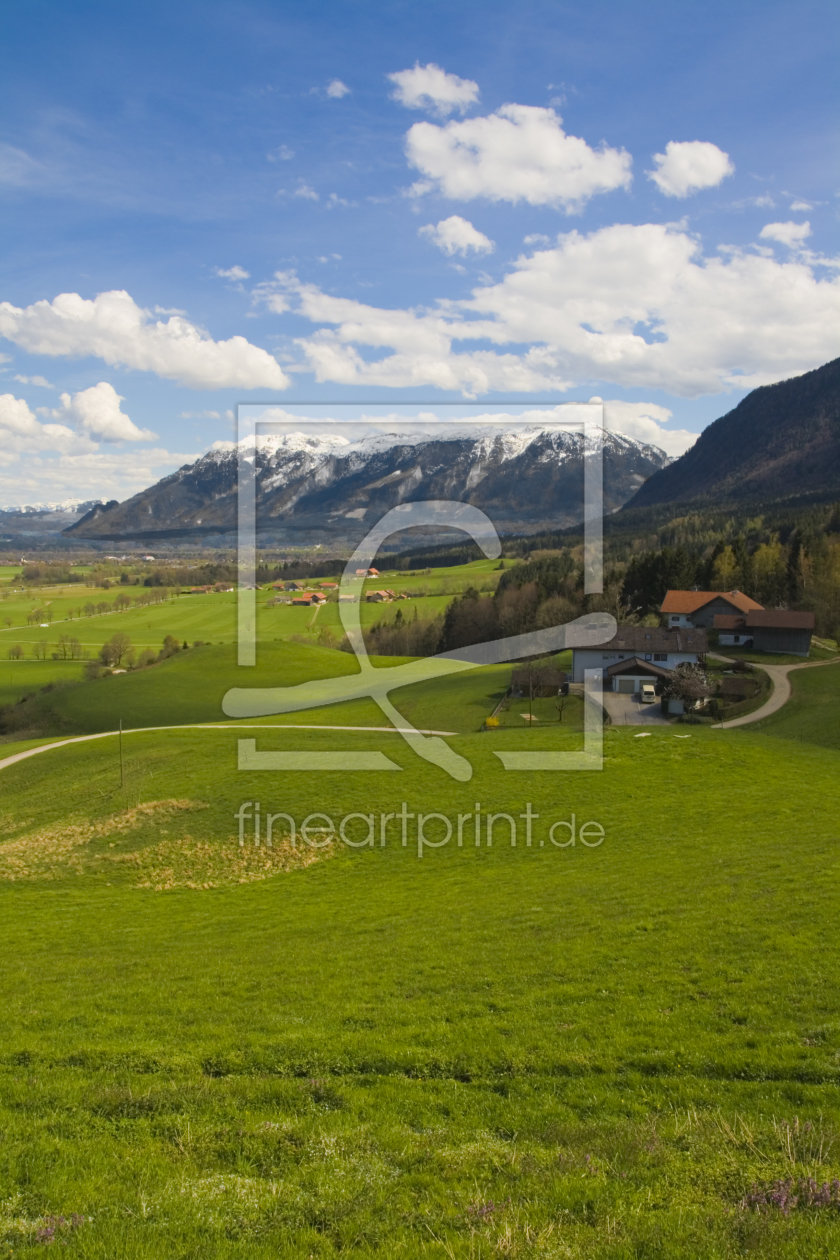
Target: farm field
(215,1050)
(212,617)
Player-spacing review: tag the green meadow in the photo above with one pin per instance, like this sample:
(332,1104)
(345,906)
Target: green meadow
(353,1042)
(212,617)
(813,712)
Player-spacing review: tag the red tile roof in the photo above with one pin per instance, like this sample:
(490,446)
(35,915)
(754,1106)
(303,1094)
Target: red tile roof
(723,621)
(687,602)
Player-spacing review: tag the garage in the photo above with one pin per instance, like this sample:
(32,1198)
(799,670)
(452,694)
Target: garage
(627,685)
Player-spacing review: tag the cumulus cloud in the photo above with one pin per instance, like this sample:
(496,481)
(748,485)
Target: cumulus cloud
(281,154)
(644,421)
(636,304)
(233,273)
(688,165)
(791,234)
(429,87)
(22,434)
(336,89)
(113,328)
(520,153)
(303,190)
(457,236)
(97,412)
(801,205)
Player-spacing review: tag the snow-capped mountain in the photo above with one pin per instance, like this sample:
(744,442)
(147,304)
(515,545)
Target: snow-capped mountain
(28,519)
(312,487)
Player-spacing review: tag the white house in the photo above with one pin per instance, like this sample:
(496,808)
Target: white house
(639,653)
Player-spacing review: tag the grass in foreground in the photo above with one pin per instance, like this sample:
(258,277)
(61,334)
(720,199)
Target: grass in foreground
(490,1051)
(813,712)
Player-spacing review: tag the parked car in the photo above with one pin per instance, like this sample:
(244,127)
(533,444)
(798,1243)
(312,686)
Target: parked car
(648,693)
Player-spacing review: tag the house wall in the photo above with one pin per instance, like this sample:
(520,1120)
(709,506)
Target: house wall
(794,642)
(704,618)
(730,639)
(594,658)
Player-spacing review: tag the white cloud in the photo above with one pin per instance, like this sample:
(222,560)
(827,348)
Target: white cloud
(40,381)
(22,434)
(86,473)
(688,165)
(199,415)
(15,417)
(336,89)
(644,421)
(113,328)
(457,236)
(233,273)
(791,234)
(801,205)
(97,412)
(430,87)
(281,154)
(520,153)
(638,305)
(334,200)
(303,190)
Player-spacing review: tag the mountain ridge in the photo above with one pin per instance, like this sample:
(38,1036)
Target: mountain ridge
(780,442)
(329,486)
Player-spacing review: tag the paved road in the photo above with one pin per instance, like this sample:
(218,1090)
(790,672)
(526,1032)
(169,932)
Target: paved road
(204,726)
(626,710)
(780,678)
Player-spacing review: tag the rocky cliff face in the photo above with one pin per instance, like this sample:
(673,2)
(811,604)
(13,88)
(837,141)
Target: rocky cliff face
(328,487)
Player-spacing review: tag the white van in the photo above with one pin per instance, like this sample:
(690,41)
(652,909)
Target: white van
(647,693)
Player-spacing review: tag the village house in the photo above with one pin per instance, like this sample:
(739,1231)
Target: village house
(379,597)
(309,598)
(637,654)
(768,630)
(699,608)
(367,573)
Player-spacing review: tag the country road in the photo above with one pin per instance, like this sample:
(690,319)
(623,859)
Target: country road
(207,726)
(780,677)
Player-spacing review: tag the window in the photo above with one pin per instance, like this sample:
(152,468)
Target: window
(660,656)
(609,656)
(647,656)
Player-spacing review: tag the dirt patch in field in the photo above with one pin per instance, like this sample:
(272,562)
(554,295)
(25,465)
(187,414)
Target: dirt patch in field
(76,848)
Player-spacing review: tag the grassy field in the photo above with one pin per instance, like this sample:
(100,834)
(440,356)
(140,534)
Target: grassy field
(212,617)
(485,1051)
(813,712)
(20,678)
(818,653)
(189,687)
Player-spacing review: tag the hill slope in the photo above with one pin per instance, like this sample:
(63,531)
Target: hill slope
(780,441)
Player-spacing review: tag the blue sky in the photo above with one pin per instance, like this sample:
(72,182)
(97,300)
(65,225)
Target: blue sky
(493,222)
